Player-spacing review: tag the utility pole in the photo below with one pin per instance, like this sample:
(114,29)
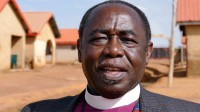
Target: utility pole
(172,54)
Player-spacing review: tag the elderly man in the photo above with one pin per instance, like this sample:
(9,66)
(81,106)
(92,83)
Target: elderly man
(114,48)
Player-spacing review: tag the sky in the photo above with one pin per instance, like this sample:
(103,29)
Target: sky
(68,14)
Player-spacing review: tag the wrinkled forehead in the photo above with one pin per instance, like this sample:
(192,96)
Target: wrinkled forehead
(114,17)
(112,11)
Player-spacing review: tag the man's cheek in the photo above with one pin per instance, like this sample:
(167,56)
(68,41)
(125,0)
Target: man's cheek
(93,52)
(131,55)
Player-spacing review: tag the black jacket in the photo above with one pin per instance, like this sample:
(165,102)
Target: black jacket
(149,102)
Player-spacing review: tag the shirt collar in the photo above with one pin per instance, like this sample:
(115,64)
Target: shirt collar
(102,103)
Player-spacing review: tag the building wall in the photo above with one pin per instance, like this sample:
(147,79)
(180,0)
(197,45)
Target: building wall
(40,45)
(29,52)
(193,49)
(160,53)
(10,25)
(65,54)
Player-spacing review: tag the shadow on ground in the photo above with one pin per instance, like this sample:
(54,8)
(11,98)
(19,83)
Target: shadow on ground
(160,68)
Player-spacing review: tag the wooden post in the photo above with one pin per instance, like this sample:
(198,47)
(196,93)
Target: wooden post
(171,68)
(182,54)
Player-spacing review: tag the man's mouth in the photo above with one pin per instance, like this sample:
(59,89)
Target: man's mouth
(114,73)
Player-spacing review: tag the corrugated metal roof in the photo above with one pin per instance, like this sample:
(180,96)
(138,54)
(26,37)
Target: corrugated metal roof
(68,37)
(188,11)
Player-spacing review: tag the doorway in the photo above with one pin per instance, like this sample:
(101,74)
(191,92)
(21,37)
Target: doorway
(49,52)
(16,52)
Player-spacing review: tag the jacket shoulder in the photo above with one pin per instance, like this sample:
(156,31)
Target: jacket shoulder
(178,104)
(52,105)
(174,104)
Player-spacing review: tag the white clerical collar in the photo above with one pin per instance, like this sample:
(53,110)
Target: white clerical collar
(102,103)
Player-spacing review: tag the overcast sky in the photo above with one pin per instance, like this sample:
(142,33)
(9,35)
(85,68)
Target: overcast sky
(68,14)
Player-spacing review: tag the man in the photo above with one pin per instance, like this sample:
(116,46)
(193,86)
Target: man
(114,48)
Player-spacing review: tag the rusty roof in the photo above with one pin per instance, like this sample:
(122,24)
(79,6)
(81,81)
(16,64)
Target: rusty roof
(188,11)
(68,37)
(17,9)
(37,20)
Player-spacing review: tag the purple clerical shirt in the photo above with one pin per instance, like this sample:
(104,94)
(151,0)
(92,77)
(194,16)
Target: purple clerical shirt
(88,108)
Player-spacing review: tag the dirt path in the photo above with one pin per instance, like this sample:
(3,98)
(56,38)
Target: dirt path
(22,87)
(187,88)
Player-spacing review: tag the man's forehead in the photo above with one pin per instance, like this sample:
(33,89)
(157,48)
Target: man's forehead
(115,15)
(113,7)
(113,22)
(113,10)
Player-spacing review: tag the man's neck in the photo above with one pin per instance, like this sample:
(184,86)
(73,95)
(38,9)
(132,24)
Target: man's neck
(99,102)
(92,91)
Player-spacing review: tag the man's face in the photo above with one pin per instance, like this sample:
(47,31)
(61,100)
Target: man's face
(113,50)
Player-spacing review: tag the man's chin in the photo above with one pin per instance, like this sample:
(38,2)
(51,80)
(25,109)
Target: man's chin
(110,79)
(113,94)
(110,82)
(113,91)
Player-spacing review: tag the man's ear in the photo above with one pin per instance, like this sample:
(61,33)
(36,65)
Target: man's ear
(79,49)
(149,51)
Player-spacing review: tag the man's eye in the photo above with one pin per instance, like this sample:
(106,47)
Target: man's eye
(99,41)
(128,41)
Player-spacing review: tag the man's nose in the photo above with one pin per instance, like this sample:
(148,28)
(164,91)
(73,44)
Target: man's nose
(114,48)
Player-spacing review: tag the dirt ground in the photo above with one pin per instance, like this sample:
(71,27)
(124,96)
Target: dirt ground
(20,87)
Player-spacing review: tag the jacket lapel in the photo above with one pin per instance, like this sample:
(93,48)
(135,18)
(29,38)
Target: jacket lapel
(75,101)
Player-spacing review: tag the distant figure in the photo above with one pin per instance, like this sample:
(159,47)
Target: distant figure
(114,47)
(29,62)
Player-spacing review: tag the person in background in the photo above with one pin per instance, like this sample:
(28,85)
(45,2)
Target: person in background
(114,47)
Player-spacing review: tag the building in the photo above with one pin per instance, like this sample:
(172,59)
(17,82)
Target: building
(12,35)
(66,46)
(188,17)
(159,53)
(40,44)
